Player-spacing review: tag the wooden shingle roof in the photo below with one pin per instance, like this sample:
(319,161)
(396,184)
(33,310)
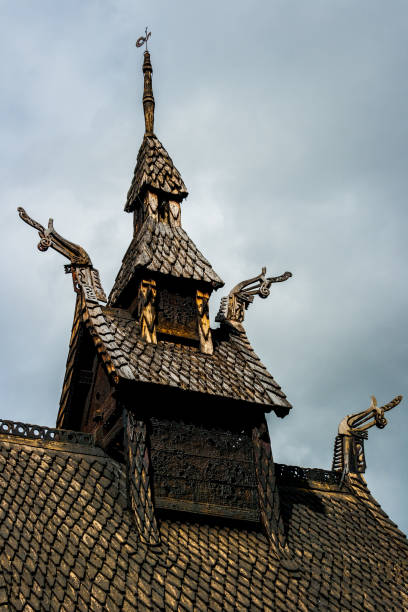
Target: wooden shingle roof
(233,370)
(154,168)
(158,247)
(68,541)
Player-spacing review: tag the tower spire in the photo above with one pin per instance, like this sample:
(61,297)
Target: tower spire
(148,98)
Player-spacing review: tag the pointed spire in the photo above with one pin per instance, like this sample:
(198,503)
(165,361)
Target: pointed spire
(148,98)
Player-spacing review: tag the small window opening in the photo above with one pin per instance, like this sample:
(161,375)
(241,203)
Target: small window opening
(164,212)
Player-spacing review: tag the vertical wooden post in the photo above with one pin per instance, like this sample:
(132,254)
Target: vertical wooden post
(175,214)
(138,478)
(204,331)
(268,495)
(147,310)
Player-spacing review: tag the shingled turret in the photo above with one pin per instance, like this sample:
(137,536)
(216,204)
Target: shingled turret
(154,170)
(152,347)
(161,252)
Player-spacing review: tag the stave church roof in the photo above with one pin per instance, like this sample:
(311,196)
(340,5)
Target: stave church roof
(166,495)
(67,541)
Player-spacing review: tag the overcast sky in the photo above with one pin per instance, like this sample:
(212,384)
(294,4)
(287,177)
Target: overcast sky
(288,123)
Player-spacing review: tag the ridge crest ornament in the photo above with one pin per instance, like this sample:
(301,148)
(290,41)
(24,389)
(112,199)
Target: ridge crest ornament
(84,275)
(349,456)
(232,308)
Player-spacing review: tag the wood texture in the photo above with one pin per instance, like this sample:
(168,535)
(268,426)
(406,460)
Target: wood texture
(155,170)
(166,250)
(138,477)
(204,331)
(68,541)
(147,310)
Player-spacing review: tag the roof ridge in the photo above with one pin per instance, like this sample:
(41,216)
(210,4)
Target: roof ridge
(29,431)
(361,490)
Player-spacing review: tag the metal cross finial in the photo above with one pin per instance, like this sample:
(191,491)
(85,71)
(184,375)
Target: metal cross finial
(143,39)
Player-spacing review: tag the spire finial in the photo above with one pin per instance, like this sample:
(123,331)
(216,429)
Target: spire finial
(148,98)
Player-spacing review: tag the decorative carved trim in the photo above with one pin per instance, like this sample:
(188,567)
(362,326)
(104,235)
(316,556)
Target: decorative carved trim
(138,478)
(293,473)
(147,310)
(149,208)
(152,204)
(349,456)
(148,98)
(38,432)
(204,331)
(269,502)
(232,308)
(87,279)
(175,214)
(83,273)
(50,238)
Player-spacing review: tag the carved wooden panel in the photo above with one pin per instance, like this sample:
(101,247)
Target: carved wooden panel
(203,469)
(177,312)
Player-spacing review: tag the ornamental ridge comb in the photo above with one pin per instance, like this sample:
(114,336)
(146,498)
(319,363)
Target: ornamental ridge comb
(232,308)
(83,273)
(349,456)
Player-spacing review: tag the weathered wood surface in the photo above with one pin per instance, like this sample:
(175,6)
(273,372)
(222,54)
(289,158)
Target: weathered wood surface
(154,169)
(167,250)
(68,541)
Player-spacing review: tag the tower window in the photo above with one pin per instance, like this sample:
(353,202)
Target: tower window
(164,211)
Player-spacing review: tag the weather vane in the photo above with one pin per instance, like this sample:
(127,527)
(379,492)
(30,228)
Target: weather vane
(143,39)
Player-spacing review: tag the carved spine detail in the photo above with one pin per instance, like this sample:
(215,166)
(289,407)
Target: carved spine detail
(83,273)
(138,478)
(88,279)
(204,331)
(268,495)
(147,310)
(233,307)
(349,456)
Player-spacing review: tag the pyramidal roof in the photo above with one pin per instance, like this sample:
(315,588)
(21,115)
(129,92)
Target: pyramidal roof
(154,166)
(158,247)
(154,169)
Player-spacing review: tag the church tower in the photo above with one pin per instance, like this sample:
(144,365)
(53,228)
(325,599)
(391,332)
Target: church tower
(158,489)
(182,404)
